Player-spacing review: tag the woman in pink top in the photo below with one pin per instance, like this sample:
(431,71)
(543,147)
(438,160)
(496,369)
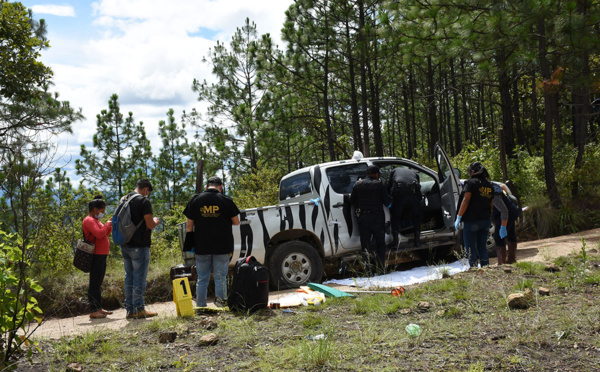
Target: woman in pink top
(96,232)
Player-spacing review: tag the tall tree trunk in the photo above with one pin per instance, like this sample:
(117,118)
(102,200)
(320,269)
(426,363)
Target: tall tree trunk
(581,102)
(432,107)
(550,104)
(581,110)
(465,104)
(506,103)
(457,139)
(363,77)
(483,122)
(377,138)
(516,110)
(330,140)
(356,135)
(535,121)
(407,122)
(449,141)
(413,120)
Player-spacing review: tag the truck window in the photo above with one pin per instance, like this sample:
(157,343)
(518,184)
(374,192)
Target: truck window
(427,183)
(295,186)
(342,178)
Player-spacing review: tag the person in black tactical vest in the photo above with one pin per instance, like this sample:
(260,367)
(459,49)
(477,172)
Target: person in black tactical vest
(210,217)
(404,186)
(505,215)
(476,212)
(368,198)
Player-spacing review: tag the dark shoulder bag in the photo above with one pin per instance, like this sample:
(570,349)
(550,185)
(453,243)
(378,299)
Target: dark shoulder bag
(84,254)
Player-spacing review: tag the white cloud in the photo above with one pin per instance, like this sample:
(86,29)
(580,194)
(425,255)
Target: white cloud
(57,10)
(148,52)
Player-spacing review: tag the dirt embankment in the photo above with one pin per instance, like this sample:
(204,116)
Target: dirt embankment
(547,249)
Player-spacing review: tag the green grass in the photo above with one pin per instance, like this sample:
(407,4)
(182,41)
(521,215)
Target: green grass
(530,268)
(65,294)
(468,327)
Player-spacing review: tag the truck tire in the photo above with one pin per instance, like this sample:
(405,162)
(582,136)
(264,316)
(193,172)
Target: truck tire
(491,244)
(293,264)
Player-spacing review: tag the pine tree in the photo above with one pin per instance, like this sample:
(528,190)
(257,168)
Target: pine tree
(171,171)
(237,99)
(110,165)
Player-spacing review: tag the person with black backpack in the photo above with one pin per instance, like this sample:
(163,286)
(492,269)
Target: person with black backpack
(136,251)
(209,234)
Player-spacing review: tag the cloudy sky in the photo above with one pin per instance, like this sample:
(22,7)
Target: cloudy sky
(146,51)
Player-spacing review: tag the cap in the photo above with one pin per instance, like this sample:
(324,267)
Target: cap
(214,180)
(372,169)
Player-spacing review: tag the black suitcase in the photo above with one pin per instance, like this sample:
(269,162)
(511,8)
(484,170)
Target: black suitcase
(250,286)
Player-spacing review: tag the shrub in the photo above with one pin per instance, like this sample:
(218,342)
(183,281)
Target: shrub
(18,307)
(258,189)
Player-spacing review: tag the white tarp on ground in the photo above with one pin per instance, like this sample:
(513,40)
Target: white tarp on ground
(403,278)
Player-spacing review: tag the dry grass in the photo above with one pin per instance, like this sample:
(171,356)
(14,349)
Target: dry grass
(468,327)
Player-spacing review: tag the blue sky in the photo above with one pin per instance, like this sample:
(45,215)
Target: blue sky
(146,51)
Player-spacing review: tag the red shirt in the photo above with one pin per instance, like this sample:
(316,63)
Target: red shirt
(97,233)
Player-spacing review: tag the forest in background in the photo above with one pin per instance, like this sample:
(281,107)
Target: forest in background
(388,78)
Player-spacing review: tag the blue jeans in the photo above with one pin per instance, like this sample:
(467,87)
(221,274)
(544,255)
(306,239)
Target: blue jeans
(475,235)
(219,263)
(136,260)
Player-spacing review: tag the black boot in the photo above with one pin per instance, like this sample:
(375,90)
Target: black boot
(395,240)
(417,240)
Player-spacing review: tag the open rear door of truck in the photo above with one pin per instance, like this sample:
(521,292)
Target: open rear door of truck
(449,186)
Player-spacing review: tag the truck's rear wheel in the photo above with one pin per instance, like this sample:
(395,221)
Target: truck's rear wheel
(490,243)
(293,264)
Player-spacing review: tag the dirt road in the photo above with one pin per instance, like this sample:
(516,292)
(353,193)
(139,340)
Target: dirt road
(544,250)
(538,250)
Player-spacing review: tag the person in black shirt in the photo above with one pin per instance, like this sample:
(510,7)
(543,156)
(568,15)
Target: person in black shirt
(210,217)
(505,216)
(405,188)
(136,253)
(368,198)
(476,212)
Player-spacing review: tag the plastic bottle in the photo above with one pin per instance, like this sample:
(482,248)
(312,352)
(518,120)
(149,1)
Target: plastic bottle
(413,330)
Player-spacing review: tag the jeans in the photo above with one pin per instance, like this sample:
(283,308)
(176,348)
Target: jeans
(97,273)
(475,235)
(136,260)
(219,263)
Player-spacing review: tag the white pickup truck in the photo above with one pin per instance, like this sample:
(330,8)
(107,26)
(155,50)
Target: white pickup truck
(314,225)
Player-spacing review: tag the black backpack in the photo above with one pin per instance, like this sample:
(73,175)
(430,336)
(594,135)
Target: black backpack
(250,286)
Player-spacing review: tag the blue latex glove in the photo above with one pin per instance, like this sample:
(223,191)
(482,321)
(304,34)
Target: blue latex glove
(192,251)
(503,232)
(457,222)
